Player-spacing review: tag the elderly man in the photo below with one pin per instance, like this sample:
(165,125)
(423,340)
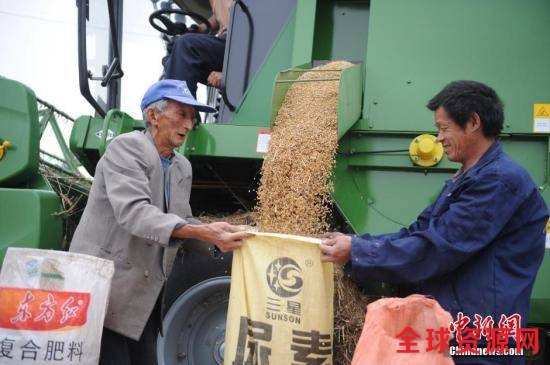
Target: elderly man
(137,210)
(478,248)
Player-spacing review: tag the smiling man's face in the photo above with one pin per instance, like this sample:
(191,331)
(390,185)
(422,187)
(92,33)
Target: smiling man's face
(453,138)
(169,127)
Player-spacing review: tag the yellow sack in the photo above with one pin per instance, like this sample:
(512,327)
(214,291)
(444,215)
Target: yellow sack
(281,303)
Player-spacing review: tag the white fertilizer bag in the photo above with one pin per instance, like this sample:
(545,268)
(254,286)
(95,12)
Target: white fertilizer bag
(52,305)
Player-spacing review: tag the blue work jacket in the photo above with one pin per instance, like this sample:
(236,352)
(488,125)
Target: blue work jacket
(476,250)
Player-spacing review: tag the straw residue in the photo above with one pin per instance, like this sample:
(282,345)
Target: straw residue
(238,218)
(294,192)
(350,305)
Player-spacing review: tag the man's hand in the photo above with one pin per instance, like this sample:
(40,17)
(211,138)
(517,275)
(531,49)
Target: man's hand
(221,31)
(336,247)
(202,28)
(215,79)
(224,235)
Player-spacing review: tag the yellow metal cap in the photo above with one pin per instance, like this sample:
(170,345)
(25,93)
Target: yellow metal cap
(425,150)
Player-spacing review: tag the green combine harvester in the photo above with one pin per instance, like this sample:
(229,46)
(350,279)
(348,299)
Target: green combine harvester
(403,53)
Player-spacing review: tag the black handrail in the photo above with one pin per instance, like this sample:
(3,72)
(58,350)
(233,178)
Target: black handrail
(113,85)
(113,71)
(82,61)
(110,73)
(114,35)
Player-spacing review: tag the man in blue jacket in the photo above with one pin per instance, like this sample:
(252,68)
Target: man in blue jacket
(478,247)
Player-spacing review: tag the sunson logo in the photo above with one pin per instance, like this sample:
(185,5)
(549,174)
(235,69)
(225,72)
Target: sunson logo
(284,277)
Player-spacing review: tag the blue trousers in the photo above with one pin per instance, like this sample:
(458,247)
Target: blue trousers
(194,56)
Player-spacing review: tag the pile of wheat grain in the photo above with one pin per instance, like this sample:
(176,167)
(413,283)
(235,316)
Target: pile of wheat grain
(294,192)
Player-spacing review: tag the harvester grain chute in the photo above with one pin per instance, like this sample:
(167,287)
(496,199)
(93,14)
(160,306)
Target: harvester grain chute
(402,54)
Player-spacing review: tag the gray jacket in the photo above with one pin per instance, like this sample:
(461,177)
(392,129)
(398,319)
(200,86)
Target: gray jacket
(124,221)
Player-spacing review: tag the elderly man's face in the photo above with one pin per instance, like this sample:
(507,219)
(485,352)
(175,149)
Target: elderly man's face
(170,126)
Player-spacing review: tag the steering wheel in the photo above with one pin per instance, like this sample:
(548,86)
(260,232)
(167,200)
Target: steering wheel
(172,28)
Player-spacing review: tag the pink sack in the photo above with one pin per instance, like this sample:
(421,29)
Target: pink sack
(411,330)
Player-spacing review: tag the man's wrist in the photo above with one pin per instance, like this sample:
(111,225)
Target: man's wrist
(190,230)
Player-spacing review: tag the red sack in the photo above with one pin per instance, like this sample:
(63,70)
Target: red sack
(396,332)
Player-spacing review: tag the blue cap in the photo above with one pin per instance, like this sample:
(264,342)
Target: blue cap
(176,90)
